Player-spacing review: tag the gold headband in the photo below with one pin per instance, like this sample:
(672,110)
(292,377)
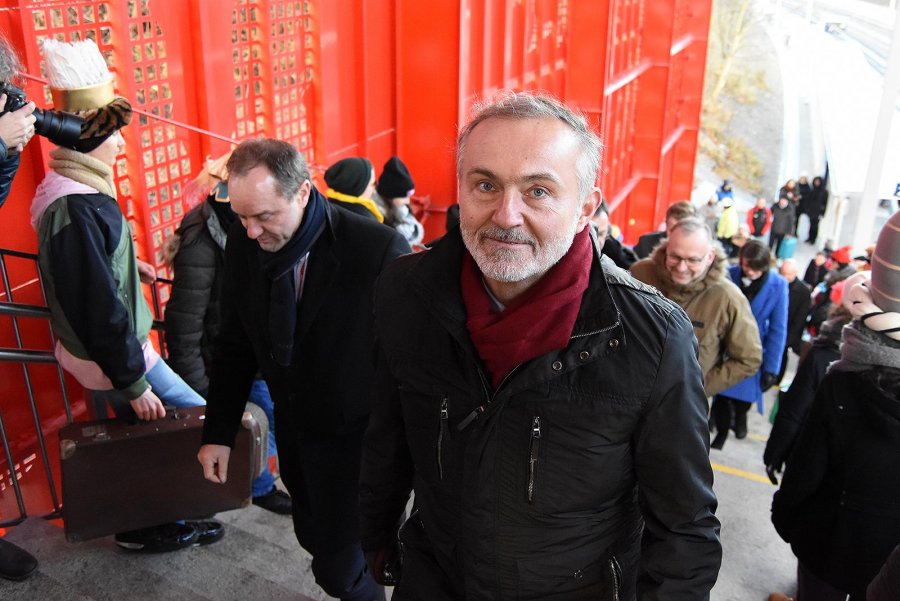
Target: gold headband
(83,99)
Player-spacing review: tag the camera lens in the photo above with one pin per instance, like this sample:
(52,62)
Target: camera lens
(63,129)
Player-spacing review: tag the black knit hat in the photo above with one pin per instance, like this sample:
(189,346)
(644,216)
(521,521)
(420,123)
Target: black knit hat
(395,181)
(349,176)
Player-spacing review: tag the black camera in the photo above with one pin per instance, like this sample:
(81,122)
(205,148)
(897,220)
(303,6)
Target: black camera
(63,129)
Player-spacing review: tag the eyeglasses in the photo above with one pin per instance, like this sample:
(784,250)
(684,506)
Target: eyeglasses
(691,261)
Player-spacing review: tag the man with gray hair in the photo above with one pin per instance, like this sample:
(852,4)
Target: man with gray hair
(538,400)
(689,268)
(296,305)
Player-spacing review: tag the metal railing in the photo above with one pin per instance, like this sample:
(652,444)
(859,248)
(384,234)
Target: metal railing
(26,357)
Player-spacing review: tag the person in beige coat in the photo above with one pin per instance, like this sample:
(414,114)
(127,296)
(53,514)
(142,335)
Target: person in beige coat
(690,269)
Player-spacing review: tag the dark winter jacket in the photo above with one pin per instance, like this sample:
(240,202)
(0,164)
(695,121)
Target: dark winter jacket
(89,268)
(815,273)
(818,202)
(327,388)
(621,255)
(539,489)
(192,313)
(782,219)
(647,242)
(839,502)
(803,195)
(794,405)
(9,164)
(799,303)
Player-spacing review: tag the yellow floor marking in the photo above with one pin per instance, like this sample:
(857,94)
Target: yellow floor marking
(736,472)
(758,437)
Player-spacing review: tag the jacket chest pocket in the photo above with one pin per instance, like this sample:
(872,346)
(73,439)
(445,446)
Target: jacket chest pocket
(573,463)
(429,434)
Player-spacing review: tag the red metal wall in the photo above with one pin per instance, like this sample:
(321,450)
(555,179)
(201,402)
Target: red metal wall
(354,77)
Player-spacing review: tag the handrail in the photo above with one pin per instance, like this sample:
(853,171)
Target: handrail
(29,390)
(25,357)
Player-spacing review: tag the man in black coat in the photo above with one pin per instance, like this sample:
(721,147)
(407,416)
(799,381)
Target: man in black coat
(297,306)
(547,408)
(799,303)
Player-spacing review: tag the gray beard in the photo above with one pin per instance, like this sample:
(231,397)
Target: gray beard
(505,265)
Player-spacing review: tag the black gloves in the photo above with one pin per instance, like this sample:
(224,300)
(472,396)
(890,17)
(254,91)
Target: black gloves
(768,380)
(771,470)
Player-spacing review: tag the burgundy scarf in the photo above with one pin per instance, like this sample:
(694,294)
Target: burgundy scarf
(538,322)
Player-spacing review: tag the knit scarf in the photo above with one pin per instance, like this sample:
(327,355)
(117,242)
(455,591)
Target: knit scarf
(751,288)
(359,200)
(538,322)
(863,349)
(84,169)
(279,267)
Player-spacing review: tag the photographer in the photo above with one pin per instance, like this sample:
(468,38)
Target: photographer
(16,127)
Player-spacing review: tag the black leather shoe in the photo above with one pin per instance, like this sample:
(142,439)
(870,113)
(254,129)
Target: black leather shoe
(15,563)
(208,531)
(158,539)
(275,500)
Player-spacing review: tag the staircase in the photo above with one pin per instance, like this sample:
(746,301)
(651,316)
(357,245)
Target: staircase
(258,559)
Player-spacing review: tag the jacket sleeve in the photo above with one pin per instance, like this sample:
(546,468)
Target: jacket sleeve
(681,551)
(807,466)
(386,471)
(87,293)
(776,333)
(9,164)
(741,348)
(234,363)
(793,408)
(768,224)
(797,320)
(192,285)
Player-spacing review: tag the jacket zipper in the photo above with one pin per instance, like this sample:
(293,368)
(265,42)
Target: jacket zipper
(534,449)
(477,411)
(616,575)
(600,331)
(444,431)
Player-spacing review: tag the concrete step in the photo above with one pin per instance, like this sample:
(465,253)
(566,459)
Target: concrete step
(258,558)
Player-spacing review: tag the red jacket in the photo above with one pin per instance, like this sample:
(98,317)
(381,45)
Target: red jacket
(766,225)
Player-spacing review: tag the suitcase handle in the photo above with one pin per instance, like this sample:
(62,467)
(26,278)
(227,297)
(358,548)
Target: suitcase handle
(172,412)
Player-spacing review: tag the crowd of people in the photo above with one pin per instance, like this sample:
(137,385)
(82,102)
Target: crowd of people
(541,402)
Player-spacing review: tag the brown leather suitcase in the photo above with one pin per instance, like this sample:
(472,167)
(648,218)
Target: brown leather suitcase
(120,475)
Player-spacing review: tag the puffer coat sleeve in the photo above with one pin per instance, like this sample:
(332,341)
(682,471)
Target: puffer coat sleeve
(187,312)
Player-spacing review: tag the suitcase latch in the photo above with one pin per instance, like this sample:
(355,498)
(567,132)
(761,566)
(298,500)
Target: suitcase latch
(97,432)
